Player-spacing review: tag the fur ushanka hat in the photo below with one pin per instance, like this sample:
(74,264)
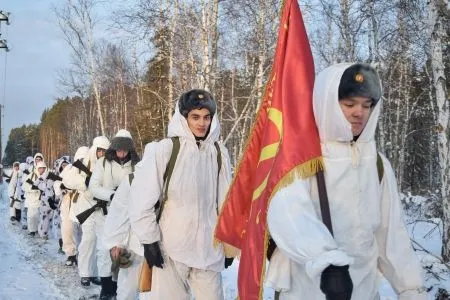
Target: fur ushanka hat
(196,99)
(360,80)
(122,141)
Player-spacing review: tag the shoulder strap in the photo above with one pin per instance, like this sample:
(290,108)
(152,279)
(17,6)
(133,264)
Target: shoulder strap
(104,162)
(323,199)
(130,177)
(380,167)
(219,156)
(168,173)
(173,158)
(219,166)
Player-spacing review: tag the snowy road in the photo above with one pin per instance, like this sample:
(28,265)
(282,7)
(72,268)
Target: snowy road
(31,268)
(20,277)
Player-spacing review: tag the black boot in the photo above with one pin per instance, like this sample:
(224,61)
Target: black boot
(95,280)
(71,260)
(85,281)
(18,215)
(60,250)
(107,292)
(114,288)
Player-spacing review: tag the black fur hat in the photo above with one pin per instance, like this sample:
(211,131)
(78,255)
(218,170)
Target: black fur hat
(122,141)
(196,99)
(111,155)
(360,80)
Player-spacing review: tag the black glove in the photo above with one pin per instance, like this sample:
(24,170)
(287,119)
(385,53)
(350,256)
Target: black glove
(22,197)
(62,186)
(52,203)
(34,187)
(336,283)
(270,248)
(102,204)
(152,254)
(87,180)
(228,261)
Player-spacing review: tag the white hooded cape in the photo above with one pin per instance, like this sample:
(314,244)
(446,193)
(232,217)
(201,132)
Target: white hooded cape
(195,194)
(366,215)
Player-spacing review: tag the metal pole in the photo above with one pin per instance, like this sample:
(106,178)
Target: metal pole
(4,17)
(1,133)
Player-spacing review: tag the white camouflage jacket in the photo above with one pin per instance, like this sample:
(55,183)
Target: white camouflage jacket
(195,194)
(369,233)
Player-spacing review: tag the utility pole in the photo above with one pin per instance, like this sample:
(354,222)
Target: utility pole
(4,17)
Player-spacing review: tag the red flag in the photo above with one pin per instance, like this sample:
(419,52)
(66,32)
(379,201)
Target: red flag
(284,142)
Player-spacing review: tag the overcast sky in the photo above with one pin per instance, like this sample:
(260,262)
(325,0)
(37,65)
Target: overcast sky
(37,52)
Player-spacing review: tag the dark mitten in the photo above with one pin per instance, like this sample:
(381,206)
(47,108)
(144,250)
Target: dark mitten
(52,203)
(270,248)
(125,259)
(228,261)
(87,180)
(152,254)
(102,204)
(336,283)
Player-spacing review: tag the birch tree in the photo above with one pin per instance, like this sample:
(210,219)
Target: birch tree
(438,24)
(77,22)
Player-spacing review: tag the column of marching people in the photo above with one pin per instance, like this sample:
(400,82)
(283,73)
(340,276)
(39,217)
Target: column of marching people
(58,203)
(134,225)
(87,204)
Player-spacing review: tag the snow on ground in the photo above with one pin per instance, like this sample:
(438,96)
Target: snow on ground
(32,268)
(426,233)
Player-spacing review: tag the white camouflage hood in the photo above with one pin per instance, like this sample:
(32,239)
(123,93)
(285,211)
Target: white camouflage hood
(178,126)
(330,120)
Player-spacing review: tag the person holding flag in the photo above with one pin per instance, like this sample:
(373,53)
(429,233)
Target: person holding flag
(340,257)
(274,154)
(328,246)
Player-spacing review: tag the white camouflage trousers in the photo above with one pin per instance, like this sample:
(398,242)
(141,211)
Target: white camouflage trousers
(67,229)
(128,281)
(178,281)
(33,219)
(91,250)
